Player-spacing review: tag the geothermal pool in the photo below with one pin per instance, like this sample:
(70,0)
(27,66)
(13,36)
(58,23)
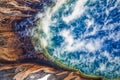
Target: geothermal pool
(81,34)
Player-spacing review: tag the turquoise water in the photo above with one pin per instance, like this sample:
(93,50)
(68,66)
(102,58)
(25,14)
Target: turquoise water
(83,34)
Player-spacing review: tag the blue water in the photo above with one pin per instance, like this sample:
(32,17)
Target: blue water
(89,42)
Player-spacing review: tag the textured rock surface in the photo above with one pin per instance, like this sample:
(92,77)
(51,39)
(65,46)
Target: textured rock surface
(30,71)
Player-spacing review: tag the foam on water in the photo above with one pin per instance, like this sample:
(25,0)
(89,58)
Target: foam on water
(78,10)
(83,34)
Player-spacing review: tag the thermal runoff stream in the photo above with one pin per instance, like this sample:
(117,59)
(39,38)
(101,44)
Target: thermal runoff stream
(81,34)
